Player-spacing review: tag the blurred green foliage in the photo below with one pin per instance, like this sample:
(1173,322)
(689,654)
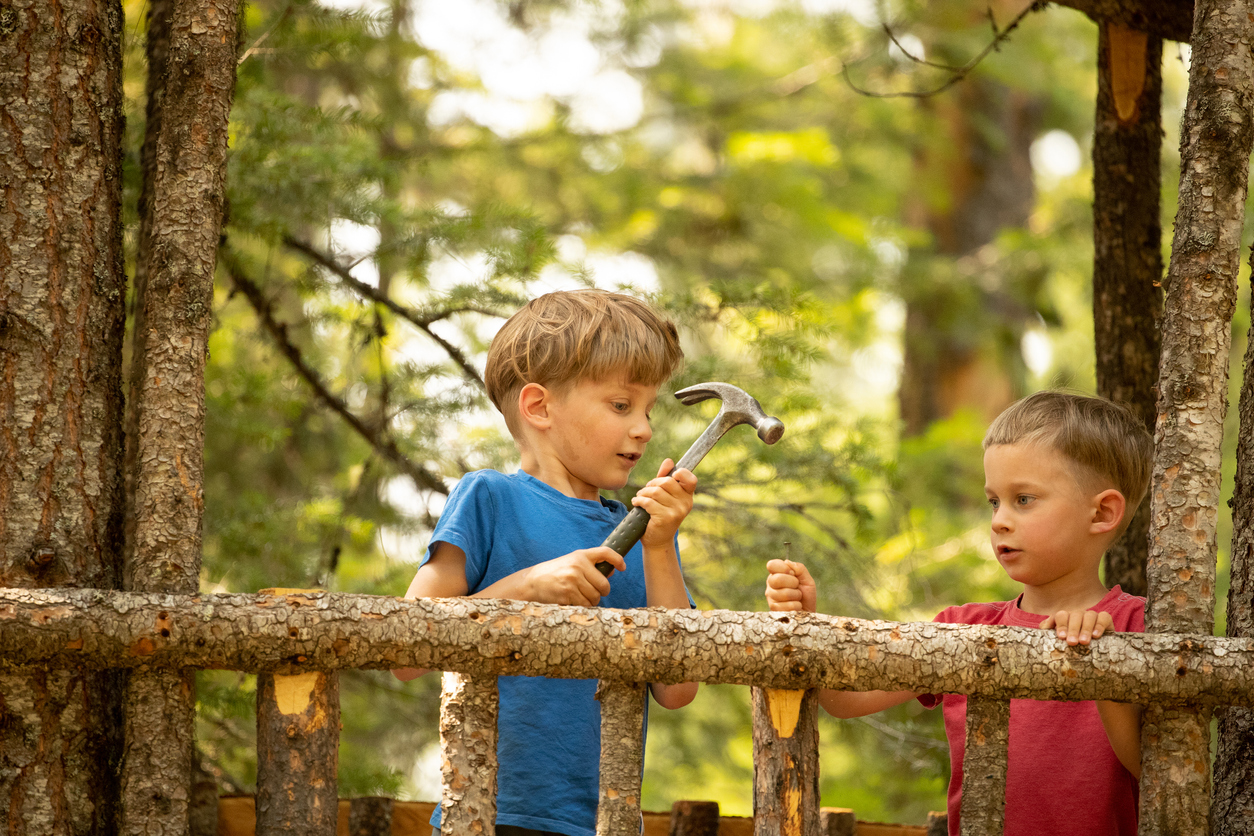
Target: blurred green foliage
(757,197)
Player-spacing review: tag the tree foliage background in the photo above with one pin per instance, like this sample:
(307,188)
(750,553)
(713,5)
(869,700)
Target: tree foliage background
(404,174)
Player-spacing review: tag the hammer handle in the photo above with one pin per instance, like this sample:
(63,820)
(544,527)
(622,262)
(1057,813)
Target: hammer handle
(626,535)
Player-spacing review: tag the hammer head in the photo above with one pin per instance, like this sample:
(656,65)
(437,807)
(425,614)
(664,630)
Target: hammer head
(738,408)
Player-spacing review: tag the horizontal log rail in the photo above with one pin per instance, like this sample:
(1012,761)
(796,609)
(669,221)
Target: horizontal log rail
(331,631)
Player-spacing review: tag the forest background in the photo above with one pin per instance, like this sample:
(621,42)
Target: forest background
(402,175)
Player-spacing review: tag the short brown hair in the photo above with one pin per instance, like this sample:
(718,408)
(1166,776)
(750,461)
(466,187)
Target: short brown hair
(562,338)
(1105,438)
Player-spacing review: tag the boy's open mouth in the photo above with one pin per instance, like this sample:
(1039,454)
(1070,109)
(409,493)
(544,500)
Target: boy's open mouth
(631,457)
(1006,551)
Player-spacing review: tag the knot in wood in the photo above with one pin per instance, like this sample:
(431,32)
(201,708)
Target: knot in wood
(41,557)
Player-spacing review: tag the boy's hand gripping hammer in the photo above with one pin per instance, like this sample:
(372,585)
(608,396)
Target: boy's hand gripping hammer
(737,408)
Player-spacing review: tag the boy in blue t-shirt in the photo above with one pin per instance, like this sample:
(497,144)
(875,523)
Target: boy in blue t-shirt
(575,375)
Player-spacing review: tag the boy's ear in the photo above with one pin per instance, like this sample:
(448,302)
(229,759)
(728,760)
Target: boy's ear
(533,406)
(1108,508)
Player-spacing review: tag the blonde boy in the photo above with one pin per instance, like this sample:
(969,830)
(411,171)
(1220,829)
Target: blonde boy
(575,375)
(1063,475)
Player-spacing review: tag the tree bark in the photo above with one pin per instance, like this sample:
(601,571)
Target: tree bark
(1216,138)
(1127,250)
(62,292)
(191,83)
(298,739)
(1233,807)
(469,707)
(302,633)
(622,757)
(984,767)
(785,762)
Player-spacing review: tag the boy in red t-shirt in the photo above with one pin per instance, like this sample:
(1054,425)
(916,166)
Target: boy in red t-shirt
(1063,474)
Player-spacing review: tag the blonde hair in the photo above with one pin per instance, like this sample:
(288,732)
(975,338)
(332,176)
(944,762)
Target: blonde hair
(563,338)
(1104,438)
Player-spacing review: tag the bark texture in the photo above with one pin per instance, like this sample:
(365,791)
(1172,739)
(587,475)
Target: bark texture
(1127,250)
(191,81)
(1233,806)
(1176,741)
(984,767)
(298,740)
(1216,137)
(622,757)
(785,762)
(469,707)
(302,633)
(62,291)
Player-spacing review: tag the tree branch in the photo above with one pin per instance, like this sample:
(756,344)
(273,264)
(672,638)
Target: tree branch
(959,73)
(379,440)
(422,323)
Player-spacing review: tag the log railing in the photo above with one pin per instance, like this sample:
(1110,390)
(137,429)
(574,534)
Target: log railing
(300,640)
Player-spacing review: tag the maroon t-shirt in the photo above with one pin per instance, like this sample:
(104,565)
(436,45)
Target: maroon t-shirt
(1062,775)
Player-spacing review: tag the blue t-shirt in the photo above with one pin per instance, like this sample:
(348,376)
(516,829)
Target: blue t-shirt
(549,730)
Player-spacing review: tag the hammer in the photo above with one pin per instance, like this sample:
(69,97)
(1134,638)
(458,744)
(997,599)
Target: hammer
(737,408)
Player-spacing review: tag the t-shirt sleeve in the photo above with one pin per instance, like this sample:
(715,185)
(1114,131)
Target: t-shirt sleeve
(466,523)
(949,615)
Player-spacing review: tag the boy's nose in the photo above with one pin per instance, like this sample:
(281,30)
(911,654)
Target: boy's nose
(1001,520)
(642,431)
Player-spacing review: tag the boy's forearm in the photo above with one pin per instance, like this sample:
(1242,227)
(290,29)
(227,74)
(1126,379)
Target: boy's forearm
(849,704)
(663,579)
(1122,722)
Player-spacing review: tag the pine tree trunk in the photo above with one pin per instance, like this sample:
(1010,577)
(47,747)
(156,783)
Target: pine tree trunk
(1233,806)
(190,84)
(62,292)
(1127,249)
(1216,138)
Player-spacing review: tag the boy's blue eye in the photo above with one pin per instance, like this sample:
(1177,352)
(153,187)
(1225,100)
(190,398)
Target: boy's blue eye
(1023,499)
(994,503)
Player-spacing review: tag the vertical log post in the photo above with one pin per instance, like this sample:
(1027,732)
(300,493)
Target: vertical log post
(298,740)
(1127,249)
(468,713)
(837,821)
(370,816)
(984,767)
(785,762)
(622,757)
(694,818)
(1217,133)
